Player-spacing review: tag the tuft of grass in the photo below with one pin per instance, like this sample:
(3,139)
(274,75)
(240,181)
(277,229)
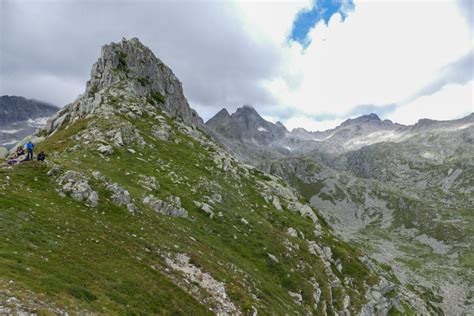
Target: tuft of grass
(156,98)
(122,65)
(144,81)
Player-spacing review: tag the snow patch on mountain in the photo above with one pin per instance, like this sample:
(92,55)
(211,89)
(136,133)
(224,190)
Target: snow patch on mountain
(9,131)
(38,122)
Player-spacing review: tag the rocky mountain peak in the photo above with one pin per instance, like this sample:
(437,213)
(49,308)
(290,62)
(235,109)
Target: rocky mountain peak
(128,59)
(222,114)
(299,130)
(368,118)
(246,110)
(129,77)
(425,121)
(246,124)
(371,117)
(280,124)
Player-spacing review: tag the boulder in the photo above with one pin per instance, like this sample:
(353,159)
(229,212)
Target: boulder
(276,203)
(206,208)
(105,149)
(119,195)
(273,258)
(296,297)
(161,134)
(172,206)
(3,152)
(78,187)
(292,232)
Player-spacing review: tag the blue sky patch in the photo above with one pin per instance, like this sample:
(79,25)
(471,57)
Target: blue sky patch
(321,10)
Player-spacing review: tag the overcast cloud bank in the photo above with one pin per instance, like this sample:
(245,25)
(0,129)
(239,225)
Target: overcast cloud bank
(404,61)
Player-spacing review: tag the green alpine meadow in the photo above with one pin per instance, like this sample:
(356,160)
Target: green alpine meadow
(139,210)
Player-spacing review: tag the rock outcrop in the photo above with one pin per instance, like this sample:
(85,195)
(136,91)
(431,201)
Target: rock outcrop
(77,185)
(246,125)
(128,70)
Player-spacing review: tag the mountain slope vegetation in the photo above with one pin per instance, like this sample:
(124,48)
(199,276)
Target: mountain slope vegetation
(139,211)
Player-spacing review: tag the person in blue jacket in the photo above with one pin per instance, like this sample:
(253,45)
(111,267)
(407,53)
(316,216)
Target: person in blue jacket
(29,147)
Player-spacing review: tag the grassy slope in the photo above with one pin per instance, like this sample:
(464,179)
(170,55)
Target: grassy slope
(107,260)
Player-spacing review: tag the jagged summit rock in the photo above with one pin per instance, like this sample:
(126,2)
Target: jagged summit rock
(128,74)
(221,115)
(280,124)
(368,118)
(246,123)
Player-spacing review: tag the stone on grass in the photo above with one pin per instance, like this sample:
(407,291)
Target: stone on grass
(105,149)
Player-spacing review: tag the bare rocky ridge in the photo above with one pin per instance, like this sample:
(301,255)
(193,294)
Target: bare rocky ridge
(351,135)
(247,134)
(246,124)
(130,70)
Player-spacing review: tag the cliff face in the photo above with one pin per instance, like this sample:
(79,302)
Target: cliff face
(246,124)
(129,70)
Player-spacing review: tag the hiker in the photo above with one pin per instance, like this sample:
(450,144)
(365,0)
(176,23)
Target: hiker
(19,151)
(29,147)
(41,156)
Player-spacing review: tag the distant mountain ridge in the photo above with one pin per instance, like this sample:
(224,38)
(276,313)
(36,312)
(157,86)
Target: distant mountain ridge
(246,123)
(401,192)
(247,128)
(20,117)
(16,108)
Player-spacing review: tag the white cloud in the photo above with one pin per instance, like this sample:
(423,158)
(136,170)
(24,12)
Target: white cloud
(44,87)
(383,53)
(451,102)
(229,53)
(310,124)
(270,20)
(206,43)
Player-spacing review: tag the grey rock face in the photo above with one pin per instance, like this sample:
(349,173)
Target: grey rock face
(206,208)
(105,149)
(222,305)
(78,187)
(121,196)
(246,124)
(247,134)
(172,206)
(129,71)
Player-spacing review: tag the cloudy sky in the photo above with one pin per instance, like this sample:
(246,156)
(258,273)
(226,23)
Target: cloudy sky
(308,63)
